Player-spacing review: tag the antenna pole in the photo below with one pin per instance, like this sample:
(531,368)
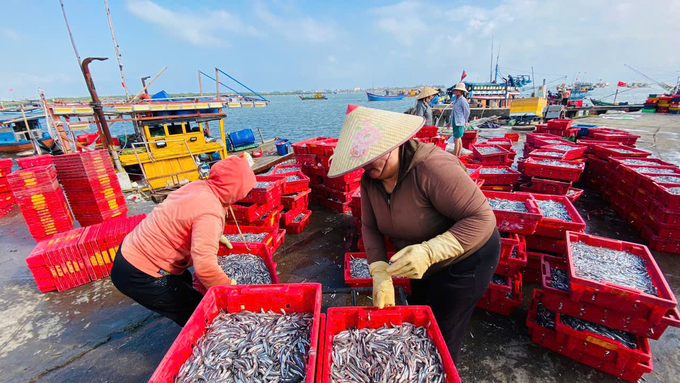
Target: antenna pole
(68,28)
(116,47)
(200,86)
(491,65)
(217,83)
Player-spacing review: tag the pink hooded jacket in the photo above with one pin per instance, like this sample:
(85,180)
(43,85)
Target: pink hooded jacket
(185,229)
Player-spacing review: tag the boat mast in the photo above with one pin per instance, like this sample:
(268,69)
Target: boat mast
(116,47)
(73,42)
(495,78)
(491,65)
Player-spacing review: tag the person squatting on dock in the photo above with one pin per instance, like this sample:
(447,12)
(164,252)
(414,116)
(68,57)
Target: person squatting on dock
(434,214)
(460,115)
(185,230)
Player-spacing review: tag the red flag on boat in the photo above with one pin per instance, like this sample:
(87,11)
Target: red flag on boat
(462,76)
(621,83)
(10,89)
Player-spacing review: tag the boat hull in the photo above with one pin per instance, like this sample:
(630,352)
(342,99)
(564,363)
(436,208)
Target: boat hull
(20,147)
(313,98)
(380,97)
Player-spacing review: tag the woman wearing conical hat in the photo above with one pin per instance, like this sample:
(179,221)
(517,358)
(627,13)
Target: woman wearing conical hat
(423,107)
(460,114)
(433,213)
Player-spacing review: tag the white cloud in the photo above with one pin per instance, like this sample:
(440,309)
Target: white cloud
(209,28)
(9,34)
(297,28)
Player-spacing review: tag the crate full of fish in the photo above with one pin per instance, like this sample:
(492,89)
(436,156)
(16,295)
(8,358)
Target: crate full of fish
(326,192)
(549,154)
(473,170)
(661,230)
(248,333)
(513,257)
(634,285)
(616,162)
(490,153)
(657,243)
(574,194)
(515,212)
(299,222)
(613,135)
(554,169)
(357,273)
(267,189)
(407,336)
(606,151)
(282,169)
(503,295)
(548,186)
(299,200)
(542,329)
(556,290)
(650,182)
(559,216)
(668,195)
(632,173)
(254,267)
(250,212)
(293,182)
(244,239)
(571,151)
(498,175)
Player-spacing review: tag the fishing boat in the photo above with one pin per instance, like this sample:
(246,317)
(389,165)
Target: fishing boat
(16,137)
(317,96)
(383,97)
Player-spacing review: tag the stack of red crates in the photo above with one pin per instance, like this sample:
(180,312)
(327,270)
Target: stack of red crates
(91,185)
(504,293)
(262,207)
(41,200)
(314,157)
(429,134)
(635,312)
(6,198)
(295,198)
(558,127)
(76,257)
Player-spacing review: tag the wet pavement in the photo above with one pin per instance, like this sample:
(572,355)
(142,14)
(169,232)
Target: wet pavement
(95,334)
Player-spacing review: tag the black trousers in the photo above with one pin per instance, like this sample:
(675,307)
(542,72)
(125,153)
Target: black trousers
(172,296)
(453,291)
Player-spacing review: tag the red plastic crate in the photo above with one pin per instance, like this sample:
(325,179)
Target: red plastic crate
(508,178)
(473,170)
(268,194)
(619,297)
(269,220)
(322,147)
(288,216)
(574,194)
(660,244)
(282,169)
(340,207)
(533,138)
(666,198)
(343,318)
(623,138)
(306,159)
(318,373)
(290,187)
(495,298)
(296,297)
(503,142)
(299,200)
(561,124)
(247,247)
(405,283)
(548,154)
(516,222)
(250,212)
(616,161)
(546,244)
(338,195)
(649,181)
(298,227)
(500,156)
(606,151)
(29,162)
(548,186)
(576,151)
(631,172)
(533,168)
(427,131)
(512,136)
(510,266)
(549,227)
(557,341)
(559,301)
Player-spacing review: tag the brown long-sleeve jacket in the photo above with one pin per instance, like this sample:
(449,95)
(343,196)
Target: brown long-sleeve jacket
(433,194)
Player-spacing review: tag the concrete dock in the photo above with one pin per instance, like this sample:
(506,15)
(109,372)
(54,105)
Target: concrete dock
(95,334)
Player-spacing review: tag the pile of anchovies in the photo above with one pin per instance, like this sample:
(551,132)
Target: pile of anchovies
(262,185)
(499,280)
(247,237)
(246,269)
(632,161)
(403,353)
(621,150)
(287,170)
(552,141)
(626,339)
(469,170)
(556,163)
(548,154)
(559,279)
(614,266)
(554,210)
(505,204)
(488,149)
(494,171)
(358,268)
(299,217)
(563,147)
(674,190)
(667,179)
(250,347)
(293,178)
(545,317)
(655,170)
(571,192)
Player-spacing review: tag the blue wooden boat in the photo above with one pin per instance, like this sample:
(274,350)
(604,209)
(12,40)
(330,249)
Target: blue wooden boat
(382,97)
(15,137)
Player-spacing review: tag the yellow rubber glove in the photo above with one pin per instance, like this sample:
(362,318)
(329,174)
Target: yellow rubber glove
(413,261)
(225,241)
(233,282)
(383,289)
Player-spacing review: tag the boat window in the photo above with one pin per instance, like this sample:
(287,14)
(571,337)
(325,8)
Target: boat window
(193,126)
(175,129)
(156,131)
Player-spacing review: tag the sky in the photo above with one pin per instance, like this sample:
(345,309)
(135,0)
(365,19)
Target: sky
(288,45)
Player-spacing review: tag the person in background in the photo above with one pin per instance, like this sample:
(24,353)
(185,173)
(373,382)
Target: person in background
(437,98)
(438,220)
(566,93)
(460,115)
(423,107)
(184,230)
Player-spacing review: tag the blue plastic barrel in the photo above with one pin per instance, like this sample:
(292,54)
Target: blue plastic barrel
(242,137)
(282,147)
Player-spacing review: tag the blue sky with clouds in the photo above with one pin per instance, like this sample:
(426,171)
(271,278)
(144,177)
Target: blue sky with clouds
(288,45)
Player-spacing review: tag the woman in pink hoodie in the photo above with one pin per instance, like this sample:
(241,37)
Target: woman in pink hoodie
(151,264)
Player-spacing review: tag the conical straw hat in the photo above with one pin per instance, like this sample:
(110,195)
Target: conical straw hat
(369,133)
(426,92)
